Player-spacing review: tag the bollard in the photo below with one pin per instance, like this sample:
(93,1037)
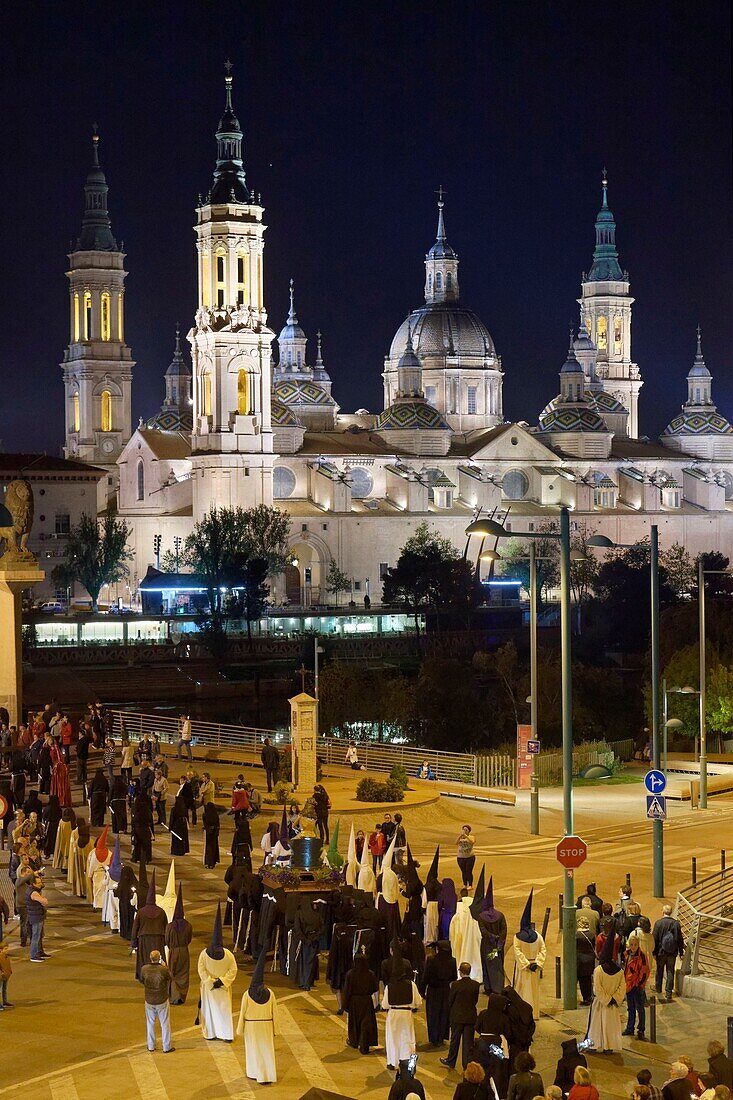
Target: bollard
(653,1023)
(722,861)
(545,922)
(694,870)
(628,880)
(558,992)
(730,1036)
(559,912)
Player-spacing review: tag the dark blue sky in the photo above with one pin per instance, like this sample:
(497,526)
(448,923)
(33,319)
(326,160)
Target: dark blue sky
(353,115)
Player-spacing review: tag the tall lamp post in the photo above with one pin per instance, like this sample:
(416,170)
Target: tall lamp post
(702,572)
(491,527)
(605,543)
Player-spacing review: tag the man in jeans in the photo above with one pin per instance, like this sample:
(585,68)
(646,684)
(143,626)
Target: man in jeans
(156,978)
(184,741)
(270,758)
(36,905)
(668,944)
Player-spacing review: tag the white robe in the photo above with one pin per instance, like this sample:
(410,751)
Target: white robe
(216,1004)
(527,982)
(605,1019)
(61,847)
(96,872)
(110,905)
(259,1023)
(76,875)
(431,920)
(465,939)
(399,1034)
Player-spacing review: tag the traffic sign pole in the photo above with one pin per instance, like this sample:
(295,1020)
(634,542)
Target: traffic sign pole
(657,835)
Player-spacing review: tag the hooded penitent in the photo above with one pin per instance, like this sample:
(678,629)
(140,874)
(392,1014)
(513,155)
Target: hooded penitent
(283,837)
(432,875)
(478,897)
(215,950)
(352,866)
(82,826)
(150,899)
(399,987)
(605,959)
(390,882)
(333,856)
(115,868)
(366,880)
(143,886)
(526,932)
(488,912)
(178,914)
(413,885)
(100,848)
(257,990)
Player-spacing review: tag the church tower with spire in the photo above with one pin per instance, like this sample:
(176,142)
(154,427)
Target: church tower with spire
(97,365)
(605,305)
(232,441)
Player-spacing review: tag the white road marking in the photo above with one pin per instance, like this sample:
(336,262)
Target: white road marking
(304,1054)
(63,1088)
(147,1077)
(231,1070)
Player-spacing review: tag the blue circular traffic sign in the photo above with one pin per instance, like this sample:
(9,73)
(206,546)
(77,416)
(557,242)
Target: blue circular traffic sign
(655,781)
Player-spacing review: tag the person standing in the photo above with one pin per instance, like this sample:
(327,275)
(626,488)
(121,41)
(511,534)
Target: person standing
(270,758)
(462,1002)
(207,790)
(108,759)
(217,969)
(636,972)
(36,905)
(6,971)
(668,945)
(211,824)
(377,844)
(466,858)
(178,936)
(179,828)
(186,734)
(439,972)
(66,735)
(400,1000)
(156,978)
(148,929)
(492,925)
(530,953)
(322,804)
(127,762)
(258,1022)
(160,795)
(357,1000)
(609,988)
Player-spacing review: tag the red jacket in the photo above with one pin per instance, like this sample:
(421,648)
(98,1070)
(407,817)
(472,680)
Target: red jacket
(67,735)
(583,1092)
(240,800)
(377,843)
(636,970)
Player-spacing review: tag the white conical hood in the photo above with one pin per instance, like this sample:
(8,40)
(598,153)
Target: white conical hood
(390,882)
(168,900)
(366,880)
(352,866)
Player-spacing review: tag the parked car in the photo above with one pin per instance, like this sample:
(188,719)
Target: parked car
(52,607)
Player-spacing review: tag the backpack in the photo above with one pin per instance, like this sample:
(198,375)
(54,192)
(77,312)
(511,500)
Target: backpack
(668,941)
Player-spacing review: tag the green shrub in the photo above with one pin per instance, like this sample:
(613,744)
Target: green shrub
(393,792)
(282,791)
(398,775)
(374,790)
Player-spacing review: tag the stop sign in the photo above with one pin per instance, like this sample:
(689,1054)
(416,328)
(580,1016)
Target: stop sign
(571,852)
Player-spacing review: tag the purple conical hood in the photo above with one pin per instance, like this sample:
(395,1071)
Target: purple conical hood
(150,899)
(178,911)
(284,838)
(115,867)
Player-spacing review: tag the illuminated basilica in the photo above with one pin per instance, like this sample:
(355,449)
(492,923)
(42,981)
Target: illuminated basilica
(255,417)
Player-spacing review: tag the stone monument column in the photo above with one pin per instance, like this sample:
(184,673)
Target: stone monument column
(303,735)
(18,571)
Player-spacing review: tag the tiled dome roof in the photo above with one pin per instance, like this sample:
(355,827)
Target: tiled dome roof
(410,414)
(293,391)
(699,422)
(443,329)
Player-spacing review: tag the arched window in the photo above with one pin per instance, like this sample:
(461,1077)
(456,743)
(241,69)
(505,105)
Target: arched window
(106,316)
(283,482)
(241,280)
(430,282)
(361,483)
(141,480)
(617,335)
(243,393)
(105,416)
(77,317)
(75,413)
(120,318)
(220,280)
(601,334)
(87,315)
(515,485)
(299,360)
(439,281)
(449,281)
(207,394)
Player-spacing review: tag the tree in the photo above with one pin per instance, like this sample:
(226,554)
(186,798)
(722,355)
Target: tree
(515,563)
(583,572)
(265,531)
(423,540)
(621,607)
(717,581)
(254,593)
(679,569)
(429,575)
(336,581)
(96,554)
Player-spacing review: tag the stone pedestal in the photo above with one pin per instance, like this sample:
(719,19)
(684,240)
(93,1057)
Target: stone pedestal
(15,576)
(303,734)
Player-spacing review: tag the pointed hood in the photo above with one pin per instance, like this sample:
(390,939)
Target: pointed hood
(605,959)
(478,895)
(432,875)
(283,837)
(390,882)
(257,990)
(488,912)
(399,986)
(215,950)
(100,848)
(115,867)
(366,880)
(334,858)
(352,866)
(170,886)
(413,885)
(178,913)
(526,932)
(150,899)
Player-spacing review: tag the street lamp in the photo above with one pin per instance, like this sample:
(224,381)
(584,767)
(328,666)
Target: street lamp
(605,543)
(488,527)
(701,572)
(677,724)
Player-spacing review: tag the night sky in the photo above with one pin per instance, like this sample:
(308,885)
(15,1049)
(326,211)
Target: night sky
(353,114)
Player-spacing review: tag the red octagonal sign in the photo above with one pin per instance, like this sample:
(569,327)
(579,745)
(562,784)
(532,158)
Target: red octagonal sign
(571,852)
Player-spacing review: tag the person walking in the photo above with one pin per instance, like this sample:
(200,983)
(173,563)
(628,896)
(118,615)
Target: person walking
(128,761)
(636,972)
(435,984)
(108,759)
(270,758)
(466,858)
(668,945)
(186,734)
(462,1002)
(322,804)
(36,905)
(156,979)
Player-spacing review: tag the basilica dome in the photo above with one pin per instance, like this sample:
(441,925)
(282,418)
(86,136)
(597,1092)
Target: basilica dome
(444,329)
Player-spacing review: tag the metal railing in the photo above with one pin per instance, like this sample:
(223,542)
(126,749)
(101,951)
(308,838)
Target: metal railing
(549,765)
(460,767)
(705,913)
(134,725)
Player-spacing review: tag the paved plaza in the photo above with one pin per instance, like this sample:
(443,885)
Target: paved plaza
(77,1029)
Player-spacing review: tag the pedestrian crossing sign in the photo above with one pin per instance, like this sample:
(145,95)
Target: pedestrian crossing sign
(656,807)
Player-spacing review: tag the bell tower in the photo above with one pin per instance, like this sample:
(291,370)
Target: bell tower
(232,442)
(97,365)
(605,307)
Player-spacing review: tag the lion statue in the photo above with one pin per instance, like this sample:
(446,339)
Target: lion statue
(19,503)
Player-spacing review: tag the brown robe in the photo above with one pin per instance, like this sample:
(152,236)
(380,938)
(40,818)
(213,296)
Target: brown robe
(148,934)
(178,936)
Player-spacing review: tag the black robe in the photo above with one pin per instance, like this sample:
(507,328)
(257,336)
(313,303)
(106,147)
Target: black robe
(341,955)
(142,829)
(118,805)
(51,818)
(124,893)
(439,972)
(307,930)
(493,939)
(98,794)
(178,826)
(360,986)
(178,936)
(520,1024)
(148,934)
(211,831)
